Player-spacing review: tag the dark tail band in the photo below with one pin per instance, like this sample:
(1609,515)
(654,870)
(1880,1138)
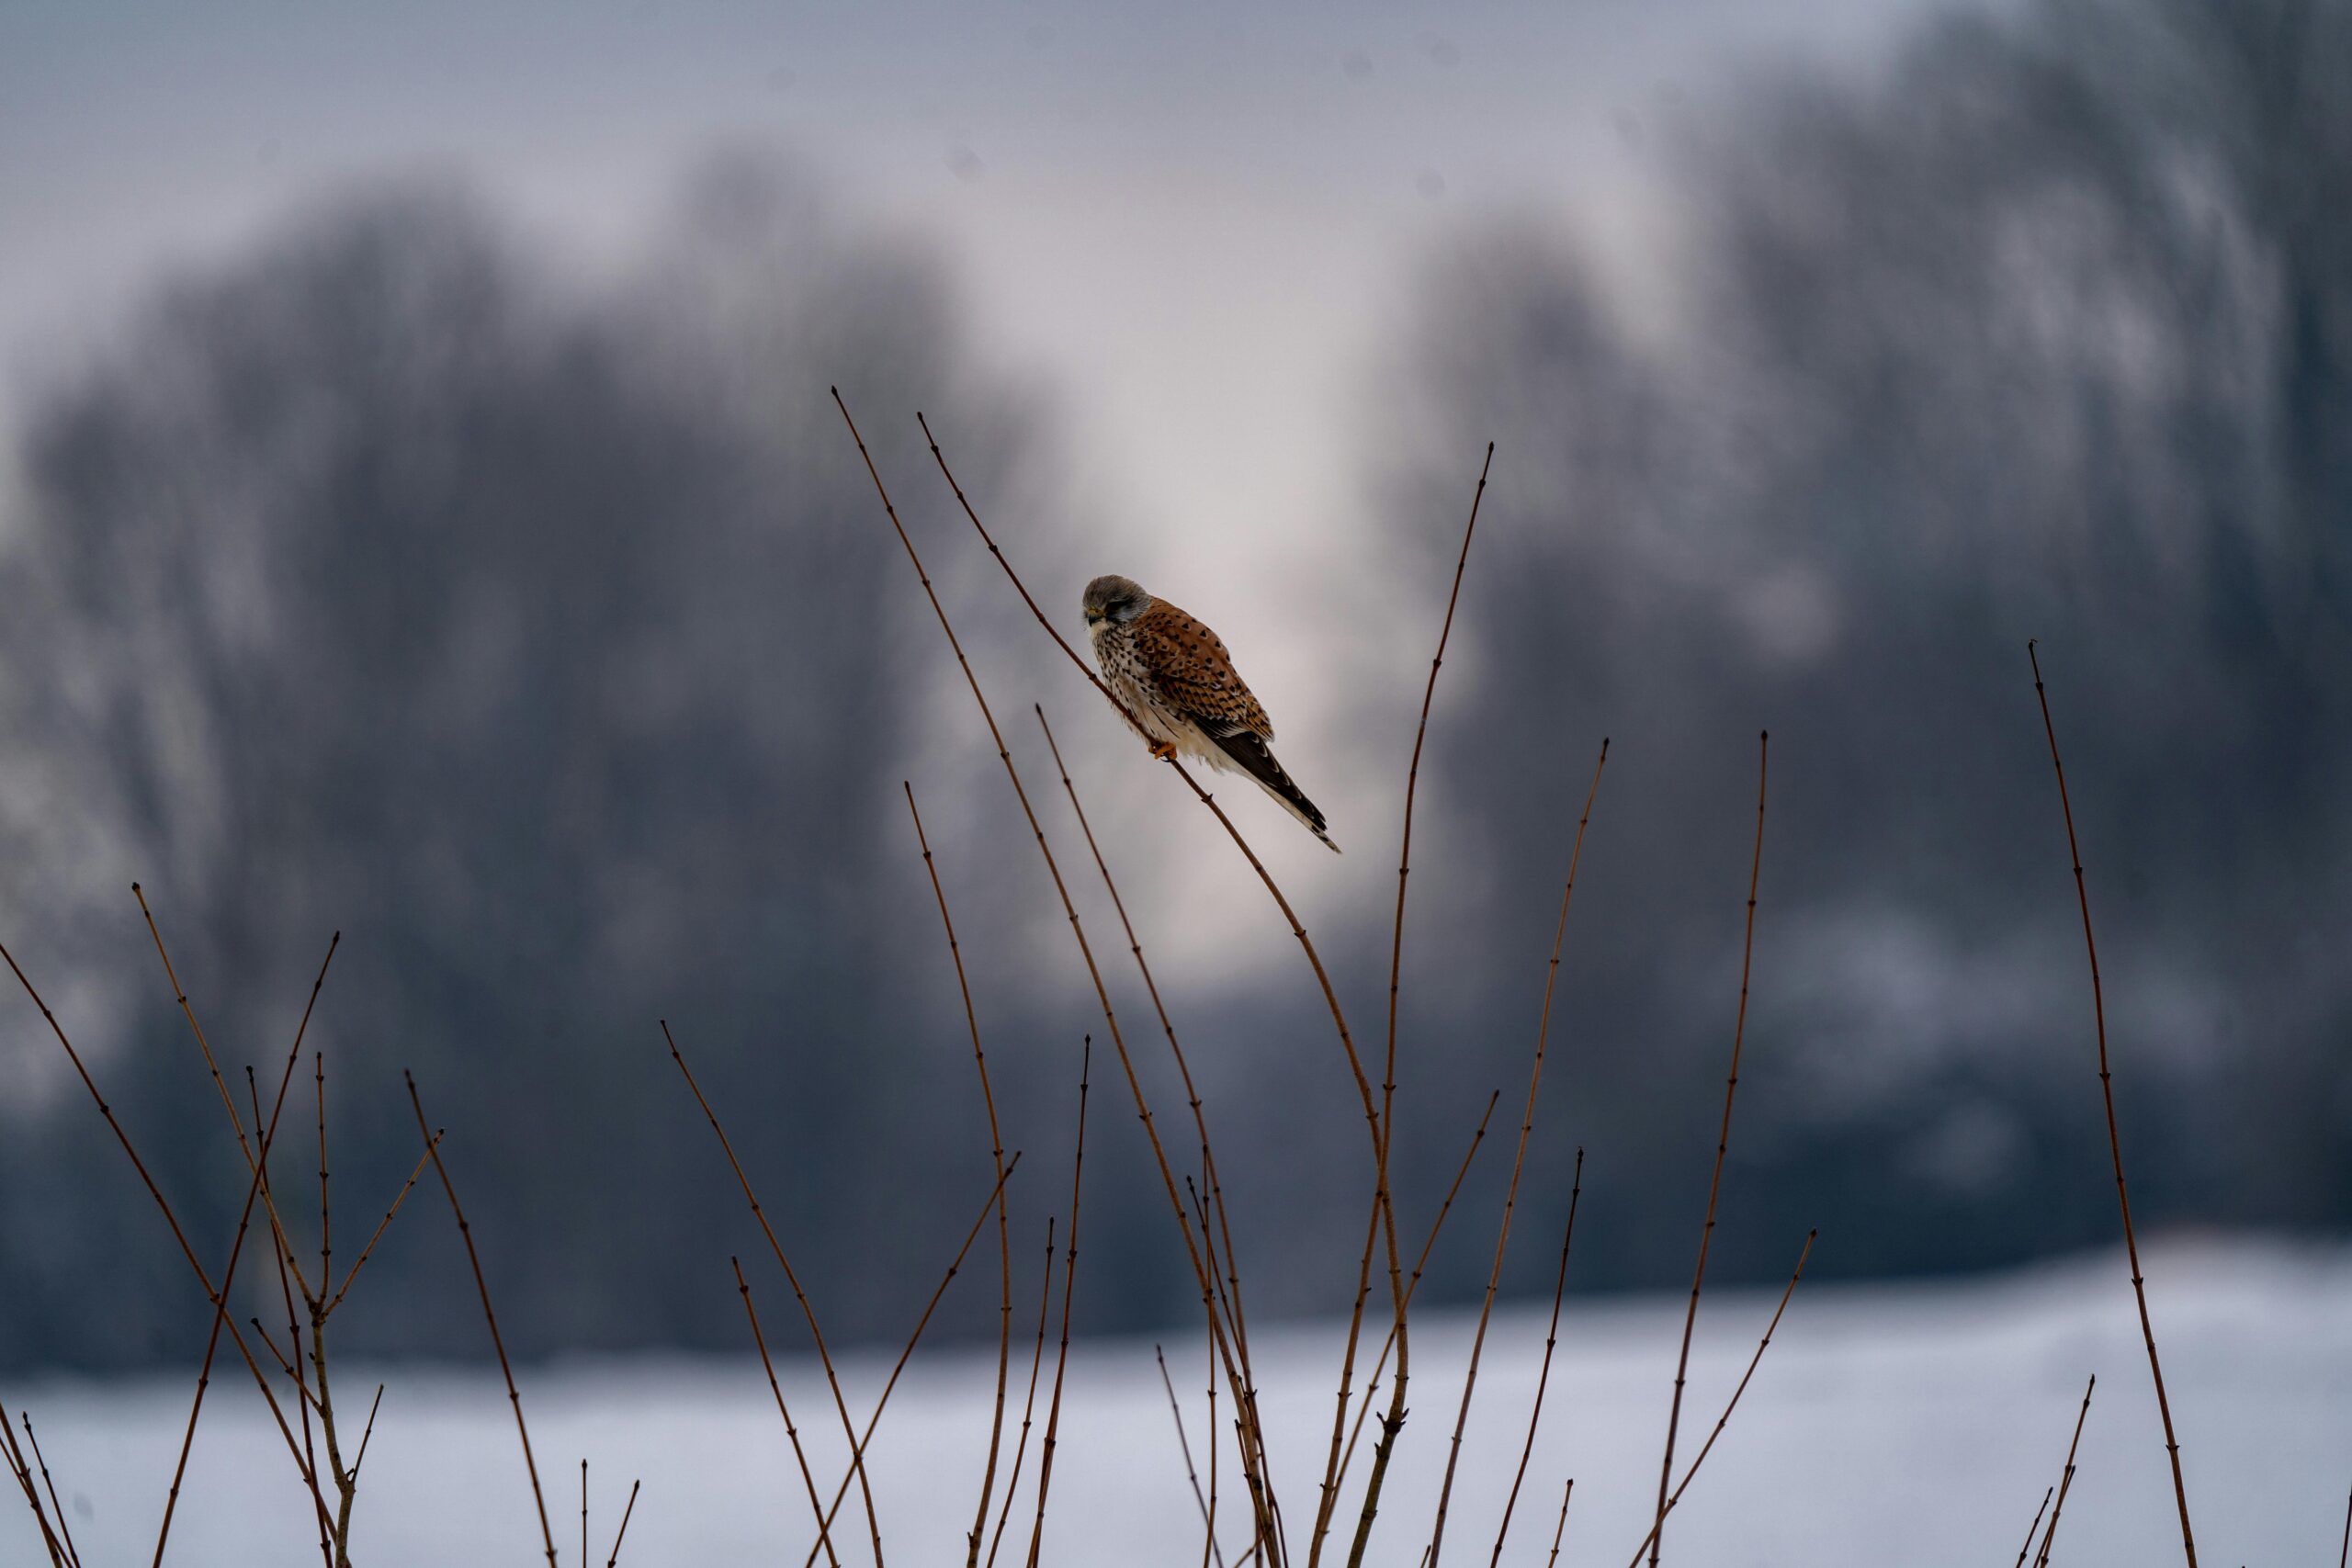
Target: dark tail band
(1254,756)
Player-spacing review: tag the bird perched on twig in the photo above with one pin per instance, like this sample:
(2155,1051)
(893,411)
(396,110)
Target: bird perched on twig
(1184,696)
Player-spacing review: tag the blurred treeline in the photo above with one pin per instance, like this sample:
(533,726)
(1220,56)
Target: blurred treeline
(533,627)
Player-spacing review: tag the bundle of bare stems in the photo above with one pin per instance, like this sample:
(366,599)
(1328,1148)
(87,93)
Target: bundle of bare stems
(295,1382)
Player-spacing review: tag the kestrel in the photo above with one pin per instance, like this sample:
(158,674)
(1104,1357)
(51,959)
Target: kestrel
(1176,678)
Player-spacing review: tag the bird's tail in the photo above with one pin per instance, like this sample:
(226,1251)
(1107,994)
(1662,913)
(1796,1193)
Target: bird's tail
(1254,756)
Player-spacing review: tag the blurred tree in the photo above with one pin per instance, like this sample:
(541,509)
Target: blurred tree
(530,631)
(2045,332)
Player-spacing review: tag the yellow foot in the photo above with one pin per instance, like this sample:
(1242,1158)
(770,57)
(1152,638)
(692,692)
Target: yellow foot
(1162,750)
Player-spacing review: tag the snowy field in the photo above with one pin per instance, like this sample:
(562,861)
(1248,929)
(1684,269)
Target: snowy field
(1889,1424)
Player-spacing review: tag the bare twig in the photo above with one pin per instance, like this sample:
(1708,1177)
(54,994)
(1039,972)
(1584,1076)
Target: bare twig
(64,1528)
(1724,1419)
(1413,1282)
(2344,1552)
(1210,1550)
(482,1285)
(1185,1446)
(1544,1378)
(2047,1492)
(398,1199)
(328,1529)
(204,1046)
(857,1456)
(1236,1321)
(1273,890)
(1070,1278)
(326,1243)
(291,1363)
(2065,1477)
(14,1453)
(1077,930)
(284,1363)
(1517,1164)
(258,1164)
(1003,1222)
(1028,1405)
(254,1189)
(1391,1425)
(2114,1140)
(1562,1527)
(625,1512)
(807,1313)
(171,1219)
(366,1432)
(64,1531)
(791,1433)
(1722,1143)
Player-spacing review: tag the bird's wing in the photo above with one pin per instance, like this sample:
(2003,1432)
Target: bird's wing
(1195,673)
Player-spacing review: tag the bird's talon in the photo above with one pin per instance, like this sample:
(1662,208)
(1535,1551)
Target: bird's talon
(1162,750)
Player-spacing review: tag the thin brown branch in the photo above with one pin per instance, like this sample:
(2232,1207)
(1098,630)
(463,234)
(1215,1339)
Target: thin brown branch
(366,1432)
(857,1456)
(1724,1419)
(14,1453)
(791,1432)
(807,1311)
(284,1365)
(326,1235)
(305,1403)
(170,1219)
(2114,1139)
(1245,1427)
(583,1514)
(2344,1552)
(227,1279)
(64,1529)
(1722,1143)
(1236,1321)
(1185,1446)
(1077,930)
(1069,1279)
(1562,1527)
(1517,1164)
(1029,1404)
(1414,1283)
(1003,1221)
(2047,1492)
(1544,1378)
(1209,1547)
(381,1226)
(625,1512)
(1412,787)
(227,1102)
(257,1187)
(1383,1448)
(489,1315)
(256,1162)
(1273,890)
(2066,1477)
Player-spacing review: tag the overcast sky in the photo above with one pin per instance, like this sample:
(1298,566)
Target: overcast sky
(1189,222)
(1198,231)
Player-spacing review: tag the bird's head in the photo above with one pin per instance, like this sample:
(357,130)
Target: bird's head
(1117,600)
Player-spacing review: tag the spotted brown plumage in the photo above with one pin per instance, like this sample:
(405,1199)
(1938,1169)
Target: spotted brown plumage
(1194,671)
(1177,680)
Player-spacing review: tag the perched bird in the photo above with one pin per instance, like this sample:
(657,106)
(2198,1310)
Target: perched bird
(1176,678)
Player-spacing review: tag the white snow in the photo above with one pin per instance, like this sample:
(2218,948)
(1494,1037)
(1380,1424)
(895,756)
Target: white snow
(1913,1424)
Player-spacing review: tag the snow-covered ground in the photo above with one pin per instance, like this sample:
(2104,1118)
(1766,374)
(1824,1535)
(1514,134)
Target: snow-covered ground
(1889,1424)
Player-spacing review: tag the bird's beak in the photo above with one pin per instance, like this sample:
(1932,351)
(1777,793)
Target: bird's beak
(1092,616)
